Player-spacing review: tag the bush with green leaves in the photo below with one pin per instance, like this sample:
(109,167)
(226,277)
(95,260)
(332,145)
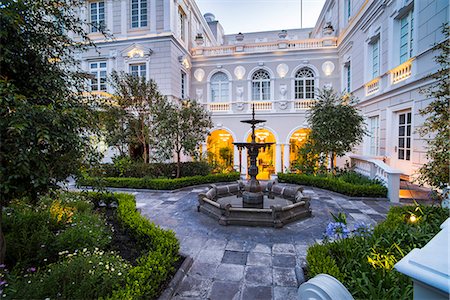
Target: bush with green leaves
(364,264)
(157,184)
(82,274)
(350,184)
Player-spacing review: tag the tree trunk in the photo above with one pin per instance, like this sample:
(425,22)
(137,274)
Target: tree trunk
(178,164)
(2,238)
(332,162)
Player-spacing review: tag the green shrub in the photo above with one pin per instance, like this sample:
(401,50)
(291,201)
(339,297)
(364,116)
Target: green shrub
(80,275)
(158,184)
(374,278)
(125,168)
(145,280)
(335,184)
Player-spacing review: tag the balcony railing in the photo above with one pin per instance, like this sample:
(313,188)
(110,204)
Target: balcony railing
(304,104)
(373,86)
(266,47)
(218,107)
(401,72)
(263,105)
(267,106)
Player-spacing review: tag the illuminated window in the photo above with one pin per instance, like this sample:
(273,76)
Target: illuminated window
(98,71)
(97,16)
(404,136)
(304,84)
(220,87)
(138,13)
(261,85)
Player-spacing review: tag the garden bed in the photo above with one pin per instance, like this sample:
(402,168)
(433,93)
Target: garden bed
(90,250)
(364,262)
(349,184)
(156,184)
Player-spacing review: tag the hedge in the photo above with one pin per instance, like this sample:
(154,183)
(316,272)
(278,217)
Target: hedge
(131,169)
(364,264)
(145,280)
(156,184)
(335,184)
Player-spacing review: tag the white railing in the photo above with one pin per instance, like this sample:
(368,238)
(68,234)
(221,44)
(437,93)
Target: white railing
(304,104)
(373,86)
(377,169)
(216,107)
(401,72)
(265,47)
(263,105)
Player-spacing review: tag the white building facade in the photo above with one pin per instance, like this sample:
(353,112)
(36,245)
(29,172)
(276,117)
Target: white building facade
(379,50)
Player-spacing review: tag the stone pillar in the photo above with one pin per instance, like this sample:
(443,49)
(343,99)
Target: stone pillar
(124,18)
(244,163)
(278,160)
(393,186)
(152,16)
(236,158)
(109,16)
(286,158)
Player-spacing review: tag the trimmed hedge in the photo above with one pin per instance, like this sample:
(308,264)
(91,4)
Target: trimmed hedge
(131,169)
(157,184)
(336,184)
(364,264)
(145,280)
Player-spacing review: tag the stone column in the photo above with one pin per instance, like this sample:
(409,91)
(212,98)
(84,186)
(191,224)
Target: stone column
(109,15)
(244,163)
(278,162)
(152,16)
(124,17)
(236,158)
(286,158)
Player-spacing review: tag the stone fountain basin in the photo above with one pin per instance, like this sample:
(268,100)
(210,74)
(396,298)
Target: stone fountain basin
(282,205)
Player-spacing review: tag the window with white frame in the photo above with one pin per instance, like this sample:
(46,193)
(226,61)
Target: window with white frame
(220,87)
(375,57)
(374,133)
(182,25)
(348,77)
(183,85)
(304,84)
(404,136)
(98,71)
(139,70)
(139,13)
(406,36)
(97,12)
(261,85)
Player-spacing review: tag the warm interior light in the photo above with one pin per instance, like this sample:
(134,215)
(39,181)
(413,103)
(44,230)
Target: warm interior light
(413,219)
(136,53)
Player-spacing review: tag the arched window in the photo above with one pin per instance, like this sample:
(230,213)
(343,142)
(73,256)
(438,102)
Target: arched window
(220,88)
(261,85)
(304,84)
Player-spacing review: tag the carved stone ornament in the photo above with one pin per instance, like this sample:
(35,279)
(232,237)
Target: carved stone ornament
(239,93)
(283,91)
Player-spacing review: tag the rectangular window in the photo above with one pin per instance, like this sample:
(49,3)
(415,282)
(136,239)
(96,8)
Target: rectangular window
(404,136)
(348,77)
(97,12)
(138,70)
(138,13)
(183,85)
(375,58)
(348,9)
(374,132)
(98,71)
(182,25)
(406,37)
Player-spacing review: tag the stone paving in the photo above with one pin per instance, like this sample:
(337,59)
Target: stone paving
(236,262)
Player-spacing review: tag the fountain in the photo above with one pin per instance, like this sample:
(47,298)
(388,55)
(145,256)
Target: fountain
(253,203)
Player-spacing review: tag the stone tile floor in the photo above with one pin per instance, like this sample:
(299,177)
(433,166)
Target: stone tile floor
(236,262)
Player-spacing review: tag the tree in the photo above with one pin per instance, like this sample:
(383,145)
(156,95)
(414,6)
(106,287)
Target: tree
(45,122)
(136,97)
(180,129)
(114,122)
(436,171)
(336,125)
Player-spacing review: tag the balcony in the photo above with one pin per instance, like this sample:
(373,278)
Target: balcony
(401,72)
(283,45)
(372,86)
(284,106)
(304,104)
(218,107)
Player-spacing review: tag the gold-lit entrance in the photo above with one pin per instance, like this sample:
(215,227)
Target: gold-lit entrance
(296,142)
(266,157)
(220,150)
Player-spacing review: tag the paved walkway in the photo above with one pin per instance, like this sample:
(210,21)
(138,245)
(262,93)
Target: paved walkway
(235,262)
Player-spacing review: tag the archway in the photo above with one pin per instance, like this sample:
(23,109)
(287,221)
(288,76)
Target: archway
(266,157)
(296,142)
(220,150)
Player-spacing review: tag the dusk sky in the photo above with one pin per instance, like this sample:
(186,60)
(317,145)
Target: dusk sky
(261,15)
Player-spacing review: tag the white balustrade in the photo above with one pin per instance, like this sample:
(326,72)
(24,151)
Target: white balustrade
(262,105)
(304,104)
(218,107)
(401,72)
(377,169)
(373,86)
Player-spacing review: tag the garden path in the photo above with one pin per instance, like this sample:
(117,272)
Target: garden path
(236,262)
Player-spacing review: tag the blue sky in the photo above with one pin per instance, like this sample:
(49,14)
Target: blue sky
(261,15)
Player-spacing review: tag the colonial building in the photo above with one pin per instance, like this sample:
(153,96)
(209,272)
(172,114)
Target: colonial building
(379,50)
